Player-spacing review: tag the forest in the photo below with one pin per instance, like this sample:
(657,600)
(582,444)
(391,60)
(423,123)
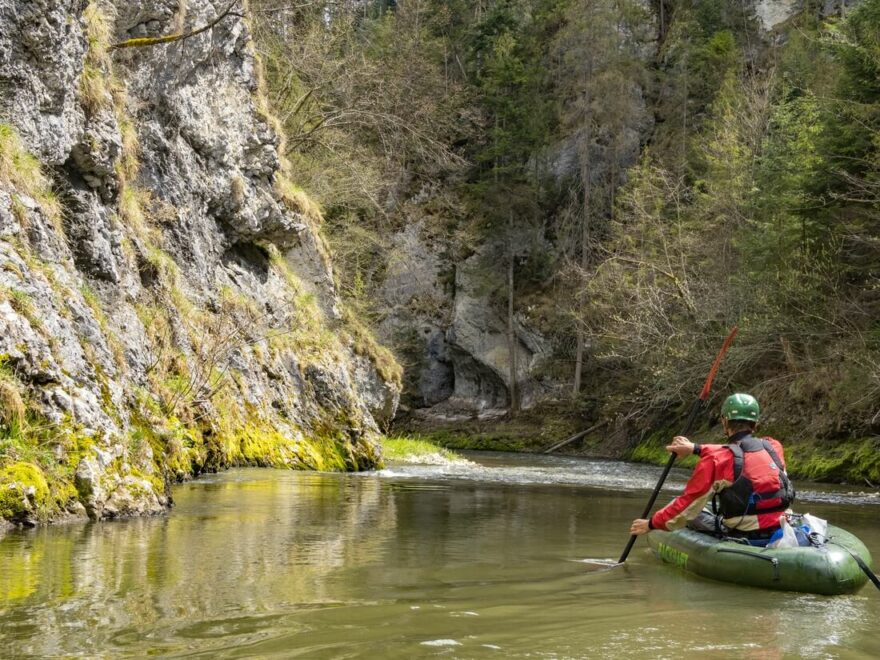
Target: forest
(634,179)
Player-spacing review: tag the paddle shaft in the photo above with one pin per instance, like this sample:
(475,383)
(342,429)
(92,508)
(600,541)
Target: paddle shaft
(692,417)
(865,569)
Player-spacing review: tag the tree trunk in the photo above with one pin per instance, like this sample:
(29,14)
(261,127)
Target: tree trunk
(662,26)
(684,119)
(586,183)
(578,363)
(511,333)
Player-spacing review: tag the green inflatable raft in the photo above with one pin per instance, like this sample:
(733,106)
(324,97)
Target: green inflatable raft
(828,569)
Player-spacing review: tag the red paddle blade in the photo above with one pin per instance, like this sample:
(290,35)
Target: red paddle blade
(704,393)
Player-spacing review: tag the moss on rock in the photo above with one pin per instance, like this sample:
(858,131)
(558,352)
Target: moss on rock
(652,449)
(477,441)
(24,492)
(856,461)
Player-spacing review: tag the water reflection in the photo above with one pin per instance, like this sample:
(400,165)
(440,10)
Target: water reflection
(274,563)
(238,546)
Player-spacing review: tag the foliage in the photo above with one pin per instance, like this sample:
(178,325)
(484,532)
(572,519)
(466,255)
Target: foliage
(768,225)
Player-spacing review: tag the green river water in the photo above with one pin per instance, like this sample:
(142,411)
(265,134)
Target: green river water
(477,560)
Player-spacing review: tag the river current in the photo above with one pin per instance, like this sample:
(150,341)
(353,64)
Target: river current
(478,559)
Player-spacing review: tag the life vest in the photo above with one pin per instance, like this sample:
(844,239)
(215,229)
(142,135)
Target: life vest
(760,483)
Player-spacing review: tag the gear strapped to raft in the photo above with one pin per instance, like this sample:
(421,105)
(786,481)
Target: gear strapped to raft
(760,483)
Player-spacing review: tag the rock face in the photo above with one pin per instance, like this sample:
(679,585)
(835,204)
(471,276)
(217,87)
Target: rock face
(772,13)
(444,318)
(457,335)
(166,301)
(418,317)
(480,350)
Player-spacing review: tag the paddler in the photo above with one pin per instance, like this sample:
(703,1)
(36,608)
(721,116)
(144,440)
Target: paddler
(737,489)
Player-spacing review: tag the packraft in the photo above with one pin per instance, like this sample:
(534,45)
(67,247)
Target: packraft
(829,565)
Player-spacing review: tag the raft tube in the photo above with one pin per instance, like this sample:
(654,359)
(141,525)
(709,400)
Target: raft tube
(829,569)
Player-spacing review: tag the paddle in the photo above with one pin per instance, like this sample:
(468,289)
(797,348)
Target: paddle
(865,568)
(861,562)
(692,417)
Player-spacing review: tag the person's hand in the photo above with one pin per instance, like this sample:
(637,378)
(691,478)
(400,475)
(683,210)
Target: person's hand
(681,446)
(639,527)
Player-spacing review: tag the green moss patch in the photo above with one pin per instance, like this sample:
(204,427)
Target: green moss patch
(417,450)
(856,461)
(653,450)
(23,491)
(528,431)
(480,441)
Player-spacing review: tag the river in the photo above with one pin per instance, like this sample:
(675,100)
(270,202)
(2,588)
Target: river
(482,559)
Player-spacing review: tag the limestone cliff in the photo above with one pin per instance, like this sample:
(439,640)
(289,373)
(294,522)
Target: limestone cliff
(167,303)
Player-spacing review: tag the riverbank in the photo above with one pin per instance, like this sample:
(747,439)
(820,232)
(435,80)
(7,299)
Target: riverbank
(134,476)
(33,493)
(846,461)
(850,462)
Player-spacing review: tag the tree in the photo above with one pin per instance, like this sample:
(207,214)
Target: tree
(509,78)
(597,51)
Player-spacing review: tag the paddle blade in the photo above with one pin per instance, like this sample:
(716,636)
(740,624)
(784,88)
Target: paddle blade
(707,386)
(600,564)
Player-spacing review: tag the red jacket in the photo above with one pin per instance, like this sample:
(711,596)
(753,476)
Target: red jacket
(713,473)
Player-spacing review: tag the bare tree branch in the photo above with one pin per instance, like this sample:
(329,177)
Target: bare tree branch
(140,42)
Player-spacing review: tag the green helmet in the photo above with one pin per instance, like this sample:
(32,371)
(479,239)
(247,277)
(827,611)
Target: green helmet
(741,406)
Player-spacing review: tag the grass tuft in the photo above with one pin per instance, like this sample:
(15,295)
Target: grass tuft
(98,18)
(12,408)
(98,89)
(129,163)
(417,450)
(21,302)
(22,171)
(297,200)
(17,167)
(94,89)
(365,344)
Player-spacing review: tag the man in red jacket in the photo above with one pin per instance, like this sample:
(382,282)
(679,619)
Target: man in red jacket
(745,481)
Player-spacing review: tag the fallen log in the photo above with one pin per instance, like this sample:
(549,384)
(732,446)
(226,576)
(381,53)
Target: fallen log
(576,436)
